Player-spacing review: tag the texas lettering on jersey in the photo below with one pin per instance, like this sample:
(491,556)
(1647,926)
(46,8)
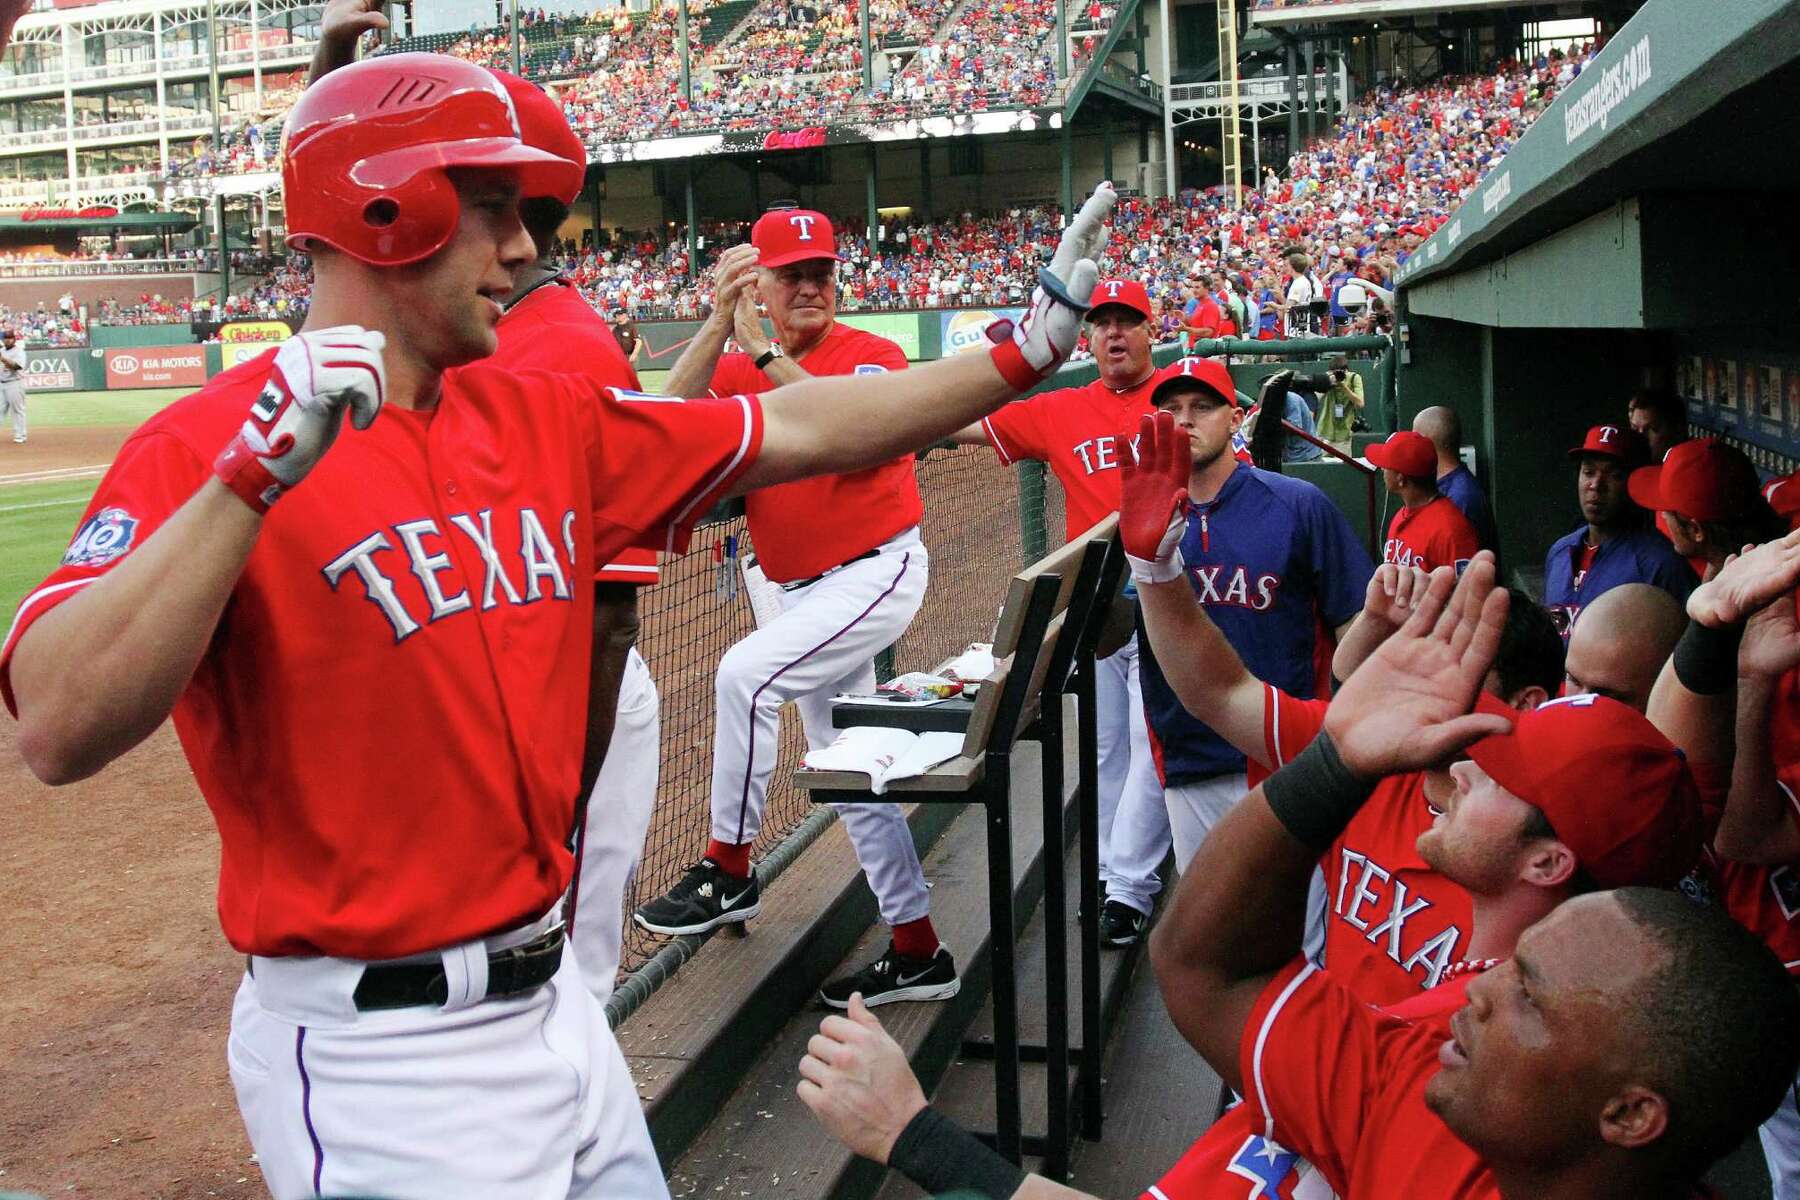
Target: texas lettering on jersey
(534,559)
(1100,454)
(1372,900)
(1234,586)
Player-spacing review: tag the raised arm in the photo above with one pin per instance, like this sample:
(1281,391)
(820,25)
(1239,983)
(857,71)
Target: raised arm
(341,24)
(692,373)
(1202,668)
(1760,824)
(1393,591)
(97,674)
(848,423)
(1239,911)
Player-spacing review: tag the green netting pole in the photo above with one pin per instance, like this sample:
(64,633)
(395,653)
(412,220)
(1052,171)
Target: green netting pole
(1387,378)
(1034,541)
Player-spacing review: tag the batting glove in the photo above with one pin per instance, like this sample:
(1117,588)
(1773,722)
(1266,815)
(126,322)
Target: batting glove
(1153,499)
(1046,335)
(317,377)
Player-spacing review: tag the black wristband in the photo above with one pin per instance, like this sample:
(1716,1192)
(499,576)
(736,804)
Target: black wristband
(1706,658)
(941,1156)
(1316,795)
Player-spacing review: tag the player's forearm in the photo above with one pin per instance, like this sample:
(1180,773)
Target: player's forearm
(97,674)
(1699,726)
(1759,822)
(972,434)
(1201,667)
(828,426)
(1238,916)
(692,373)
(783,371)
(1361,638)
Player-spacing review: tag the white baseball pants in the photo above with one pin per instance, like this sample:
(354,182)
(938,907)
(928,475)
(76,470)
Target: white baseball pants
(618,817)
(1781,1146)
(1134,822)
(823,643)
(1194,808)
(12,401)
(525,1097)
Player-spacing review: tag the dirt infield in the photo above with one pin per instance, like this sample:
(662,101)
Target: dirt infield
(60,452)
(114,1017)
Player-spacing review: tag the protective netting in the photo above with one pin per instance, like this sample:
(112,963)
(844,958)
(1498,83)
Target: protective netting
(698,610)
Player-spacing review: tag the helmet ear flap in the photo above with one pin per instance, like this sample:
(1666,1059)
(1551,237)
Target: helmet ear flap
(409,222)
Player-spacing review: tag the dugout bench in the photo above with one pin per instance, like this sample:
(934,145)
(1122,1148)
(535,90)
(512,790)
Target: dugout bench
(1044,649)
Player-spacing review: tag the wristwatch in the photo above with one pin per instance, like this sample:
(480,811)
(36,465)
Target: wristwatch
(768,356)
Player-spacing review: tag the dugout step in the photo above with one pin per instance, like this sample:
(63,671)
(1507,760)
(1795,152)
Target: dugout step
(685,1045)
(762,1141)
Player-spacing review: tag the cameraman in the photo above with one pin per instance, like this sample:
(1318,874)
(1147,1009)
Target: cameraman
(1341,404)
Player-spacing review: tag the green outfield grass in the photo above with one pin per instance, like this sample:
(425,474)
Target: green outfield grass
(36,522)
(50,409)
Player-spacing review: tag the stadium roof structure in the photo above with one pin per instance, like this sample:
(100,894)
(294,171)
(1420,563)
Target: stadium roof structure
(1650,165)
(1362,12)
(138,222)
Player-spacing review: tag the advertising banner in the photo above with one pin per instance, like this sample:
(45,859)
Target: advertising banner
(234,332)
(233,353)
(900,328)
(966,330)
(50,370)
(156,366)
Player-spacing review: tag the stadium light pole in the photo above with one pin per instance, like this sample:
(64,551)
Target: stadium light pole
(868,51)
(212,96)
(515,37)
(685,51)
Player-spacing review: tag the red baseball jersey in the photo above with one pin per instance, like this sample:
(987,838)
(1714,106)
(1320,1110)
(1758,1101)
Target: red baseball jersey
(1234,1160)
(388,724)
(1076,431)
(1431,536)
(1395,925)
(554,328)
(807,527)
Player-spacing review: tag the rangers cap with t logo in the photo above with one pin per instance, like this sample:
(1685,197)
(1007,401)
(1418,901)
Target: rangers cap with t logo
(1614,441)
(1207,376)
(791,235)
(1127,293)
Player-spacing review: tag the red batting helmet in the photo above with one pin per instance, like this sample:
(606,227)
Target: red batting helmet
(367,148)
(544,126)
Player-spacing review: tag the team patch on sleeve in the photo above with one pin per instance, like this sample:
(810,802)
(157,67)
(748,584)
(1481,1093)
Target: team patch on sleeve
(648,397)
(105,536)
(870,369)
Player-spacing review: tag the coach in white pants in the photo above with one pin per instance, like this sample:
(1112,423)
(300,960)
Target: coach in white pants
(12,383)
(846,553)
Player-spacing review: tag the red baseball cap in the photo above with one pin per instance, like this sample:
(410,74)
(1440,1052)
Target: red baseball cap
(791,235)
(1127,293)
(1616,791)
(1703,480)
(1406,452)
(1614,441)
(1784,497)
(543,125)
(1195,375)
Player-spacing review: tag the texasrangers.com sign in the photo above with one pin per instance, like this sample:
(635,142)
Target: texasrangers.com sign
(156,366)
(50,370)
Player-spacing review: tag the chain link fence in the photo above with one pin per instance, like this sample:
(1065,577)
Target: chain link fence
(977,533)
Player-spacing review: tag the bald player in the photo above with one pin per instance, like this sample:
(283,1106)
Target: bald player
(1444,429)
(1620,643)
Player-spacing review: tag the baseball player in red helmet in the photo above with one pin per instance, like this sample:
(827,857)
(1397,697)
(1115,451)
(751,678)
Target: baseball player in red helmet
(1076,432)
(549,325)
(375,643)
(846,553)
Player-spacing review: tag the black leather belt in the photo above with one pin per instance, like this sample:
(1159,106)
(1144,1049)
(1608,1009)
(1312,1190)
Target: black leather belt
(797,584)
(413,985)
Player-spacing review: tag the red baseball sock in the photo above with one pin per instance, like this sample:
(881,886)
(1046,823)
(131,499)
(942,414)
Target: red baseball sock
(916,939)
(733,860)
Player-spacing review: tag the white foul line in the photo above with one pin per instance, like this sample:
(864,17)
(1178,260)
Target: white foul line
(54,473)
(13,508)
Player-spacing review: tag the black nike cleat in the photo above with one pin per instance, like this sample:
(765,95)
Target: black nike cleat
(895,977)
(705,899)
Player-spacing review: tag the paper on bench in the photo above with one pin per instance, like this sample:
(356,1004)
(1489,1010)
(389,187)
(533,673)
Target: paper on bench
(885,755)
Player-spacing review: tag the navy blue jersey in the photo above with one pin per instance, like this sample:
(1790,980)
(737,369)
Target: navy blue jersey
(1640,556)
(1270,557)
(1466,493)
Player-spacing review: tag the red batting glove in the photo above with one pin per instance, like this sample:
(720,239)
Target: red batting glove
(1153,499)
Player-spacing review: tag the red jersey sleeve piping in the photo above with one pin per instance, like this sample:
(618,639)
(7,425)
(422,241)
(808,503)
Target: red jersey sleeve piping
(993,436)
(30,609)
(1253,1078)
(749,446)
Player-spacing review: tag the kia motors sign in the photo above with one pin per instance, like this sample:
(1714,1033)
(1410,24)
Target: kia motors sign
(50,370)
(156,366)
